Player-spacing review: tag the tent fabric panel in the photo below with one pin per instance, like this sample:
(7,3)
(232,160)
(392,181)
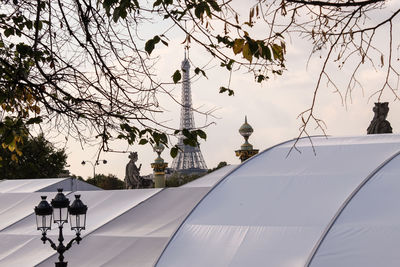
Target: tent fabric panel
(310,187)
(70,184)
(334,160)
(99,251)
(274,201)
(236,248)
(27,185)
(159,216)
(22,250)
(209,180)
(103,206)
(137,237)
(16,206)
(367,232)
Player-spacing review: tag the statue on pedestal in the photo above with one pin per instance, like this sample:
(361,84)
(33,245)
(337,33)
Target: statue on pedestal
(132,173)
(379,124)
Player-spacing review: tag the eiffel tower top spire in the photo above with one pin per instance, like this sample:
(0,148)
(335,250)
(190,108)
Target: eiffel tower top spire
(189,159)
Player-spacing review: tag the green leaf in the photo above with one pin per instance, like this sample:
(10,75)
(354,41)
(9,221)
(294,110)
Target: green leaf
(156,137)
(149,46)
(186,133)
(143,142)
(177,76)
(224,89)
(199,10)
(34,120)
(23,49)
(202,134)
(260,78)
(8,32)
(29,24)
(157,3)
(214,5)
(207,9)
(198,70)
(163,138)
(136,3)
(116,14)
(190,142)
(174,152)
(123,13)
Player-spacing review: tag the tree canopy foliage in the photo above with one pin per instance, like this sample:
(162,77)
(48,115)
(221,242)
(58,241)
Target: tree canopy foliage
(40,159)
(106,182)
(80,64)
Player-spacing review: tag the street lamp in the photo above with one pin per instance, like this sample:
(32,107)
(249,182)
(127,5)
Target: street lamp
(97,162)
(59,210)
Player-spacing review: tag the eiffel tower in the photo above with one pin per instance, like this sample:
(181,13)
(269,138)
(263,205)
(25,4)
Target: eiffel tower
(189,159)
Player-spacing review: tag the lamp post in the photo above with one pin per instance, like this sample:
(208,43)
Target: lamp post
(97,162)
(59,210)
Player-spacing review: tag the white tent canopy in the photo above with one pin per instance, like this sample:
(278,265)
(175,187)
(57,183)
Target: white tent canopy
(275,210)
(337,206)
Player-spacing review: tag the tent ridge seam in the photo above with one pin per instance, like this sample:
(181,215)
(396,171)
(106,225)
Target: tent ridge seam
(343,207)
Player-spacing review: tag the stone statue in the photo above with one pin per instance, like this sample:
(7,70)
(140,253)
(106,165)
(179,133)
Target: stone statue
(379,124)
(132,173)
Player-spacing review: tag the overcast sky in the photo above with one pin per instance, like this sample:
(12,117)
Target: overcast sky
(271,107)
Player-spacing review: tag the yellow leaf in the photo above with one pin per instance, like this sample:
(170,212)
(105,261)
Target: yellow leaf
(18,152)
(277,51)
(4,145)
(37,109)
(247,52)
(14,158)
(238,46)
(29,97)
(11,147)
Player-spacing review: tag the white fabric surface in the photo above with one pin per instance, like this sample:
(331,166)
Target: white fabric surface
(137,237)
(272,210)
(209,180)
(44,185)
(367,232)
(27,185)
(20,243)
(16,206)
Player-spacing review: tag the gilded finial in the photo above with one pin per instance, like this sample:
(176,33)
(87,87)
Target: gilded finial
(246,150)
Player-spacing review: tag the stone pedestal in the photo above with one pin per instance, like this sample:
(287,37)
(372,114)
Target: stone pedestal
(159,173)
